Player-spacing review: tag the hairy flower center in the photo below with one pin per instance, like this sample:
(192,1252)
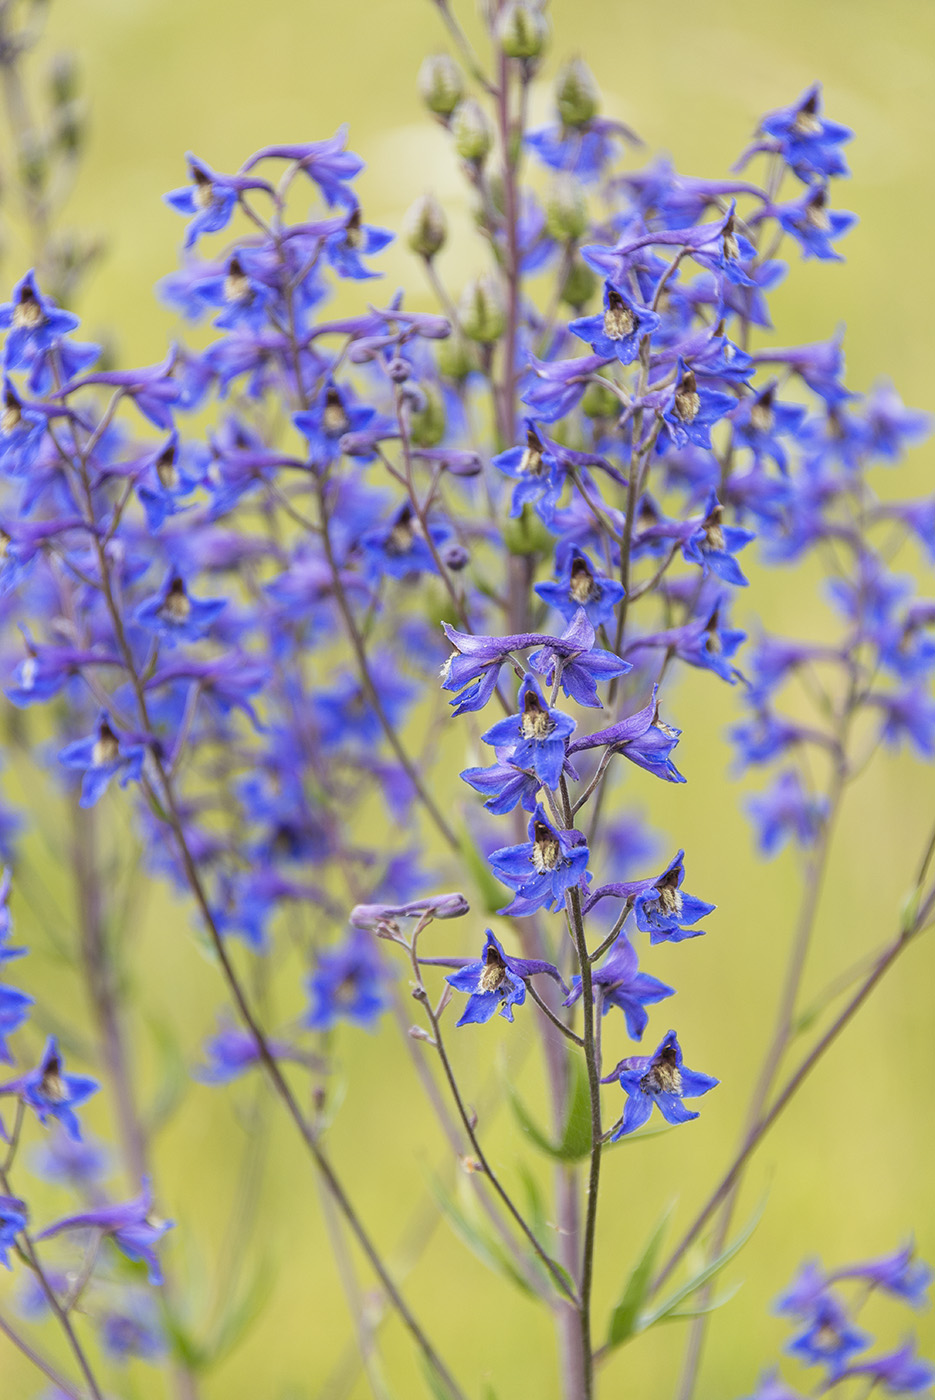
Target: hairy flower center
(12,414)
(687,399)
(166,470)
(334,419)
(619,320)
(669,897)
(762,416)
(177,606)
(402,536)
(493,972)
(52,1085)
(806,123)
(828,1337)
(353,234)
(27,313)
(816,215)
(713,531)
(28,672)
(106,747)
(203,193)
(582,586)
(531,462)
(4,544)
(546,851)
(236,283)
(729,241)
(663,1075)
(535,721)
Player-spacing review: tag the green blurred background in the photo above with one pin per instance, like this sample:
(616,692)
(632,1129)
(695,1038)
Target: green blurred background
(848,1171)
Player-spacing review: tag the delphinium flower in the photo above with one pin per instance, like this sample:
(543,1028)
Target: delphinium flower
(349,982)
(660,1079)
(496,982)
(131,1225)
(51,1092)
(541,869)
(621,984)
(13,1219)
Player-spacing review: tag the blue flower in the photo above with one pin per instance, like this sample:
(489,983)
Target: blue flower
(232,1051)
(209,201)
(786,810)
(345,246)
(807,140)
(555,387)
(400,548)
(691,409)
(621,984)
(33,323)
(814,226)
(14,1012)
(535,737)
(504,785)
(901,1274)
(51,1093)
(13,1219)
(174,614)
(101,757)
(537,473)
(759,422)
(541,869)
(348,983)
(243,302)
(130,1225)
(900,1372)
(619,330)
(642,738)
(580,585)
(496,982)
(662,908)
(660,1079)
(333,415)
(713,544)
(830,1338)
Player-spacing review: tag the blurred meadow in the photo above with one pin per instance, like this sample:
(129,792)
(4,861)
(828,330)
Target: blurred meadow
(848,1171)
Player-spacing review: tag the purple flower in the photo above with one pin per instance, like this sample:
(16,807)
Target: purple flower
(348,983)
(210,199)
(541,869)
(101,757)
(175,615)
(662,908)
(829,1338)
(642,738)
(232,1051)
(619,329)
(814,226)
(901,1273)
(503,785)
(621,984)
(535,737)
(900,1372)
(51,1093)
(496,982)
(787,811)
(808,141)
(580,585)
(33,323)
(760,421)
(345,247)
(556,387)
(660,1079)
(538,475)
(690,409)
(130,1225)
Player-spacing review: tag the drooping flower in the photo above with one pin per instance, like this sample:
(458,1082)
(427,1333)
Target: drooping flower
(535,737)
(621,984)
(541,869)
(104,755)
(131,1225)
(660,1079)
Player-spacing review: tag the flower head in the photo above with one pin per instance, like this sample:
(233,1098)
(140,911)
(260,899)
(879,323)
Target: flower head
(496,982)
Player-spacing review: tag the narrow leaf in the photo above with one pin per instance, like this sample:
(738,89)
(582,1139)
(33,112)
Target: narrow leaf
(710,1271)
(576,1135)
(699,1310)
(624,1317)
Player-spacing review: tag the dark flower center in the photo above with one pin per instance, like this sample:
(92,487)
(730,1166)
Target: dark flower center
(28,313)
(177,606)
(236,283)
(535,721)
(546,851)
(582,586)
(687,398)
(762,416)
(531,462)
(12,413)
(663,1075)
(166,470)
(334,419)
(106,746)
(714,533)
(493,972)
(52,1086)
(619,321)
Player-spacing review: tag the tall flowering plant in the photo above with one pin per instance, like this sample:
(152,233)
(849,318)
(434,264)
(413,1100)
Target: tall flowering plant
(263,598)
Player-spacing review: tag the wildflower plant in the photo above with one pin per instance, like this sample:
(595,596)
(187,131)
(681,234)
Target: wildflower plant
(288,579)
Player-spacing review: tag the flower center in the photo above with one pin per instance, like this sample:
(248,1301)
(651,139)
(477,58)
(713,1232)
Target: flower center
(353,234)
(535,721)
(546,851)
(236,283)
(816,213)
(762,416)
(670,898)
(714,534)
(28,313)
(619,321)
(334,419)
(106,747)
(166,470)
(687,398)
(531,463)
(729,240)
(663,1075)
(493,972)
(582,586)
(402,535)
(12,413)
(177,606)
(203,193)
(52,1085)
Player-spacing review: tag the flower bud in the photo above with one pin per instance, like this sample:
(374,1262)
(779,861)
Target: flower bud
(426,227)
(456,359)
(471,131)
(566,214)
(456,557)
(576,94)
(599,401)
(481,311)
(441,84)
(579,286)
(427,423)
(522,30)
(63,79)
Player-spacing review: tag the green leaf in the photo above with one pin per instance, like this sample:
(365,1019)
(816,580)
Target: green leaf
(623,1321)
(709,1271)
(433,1380)
(240,1316)
(575,1141)
(492,893)
(700,1310)
(478,1241)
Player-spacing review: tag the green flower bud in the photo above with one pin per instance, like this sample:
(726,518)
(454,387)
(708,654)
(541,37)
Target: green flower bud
(576,94)
(600,402)
(579,286)
(427,427)
(522,30)
(426,227)
(471,131)
(441,84)
(566,214)
(455,358)
(481,311)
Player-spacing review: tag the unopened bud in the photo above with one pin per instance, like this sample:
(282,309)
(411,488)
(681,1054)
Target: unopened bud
(522,30)
(471,131)
(441,84)
(399,369)
(579,286)
(481,311)
(600,401)
(63,79)
(576,94)
(427,423)
(426,227)
(566,214)
(456,557)
(456,359)
(417,1033)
